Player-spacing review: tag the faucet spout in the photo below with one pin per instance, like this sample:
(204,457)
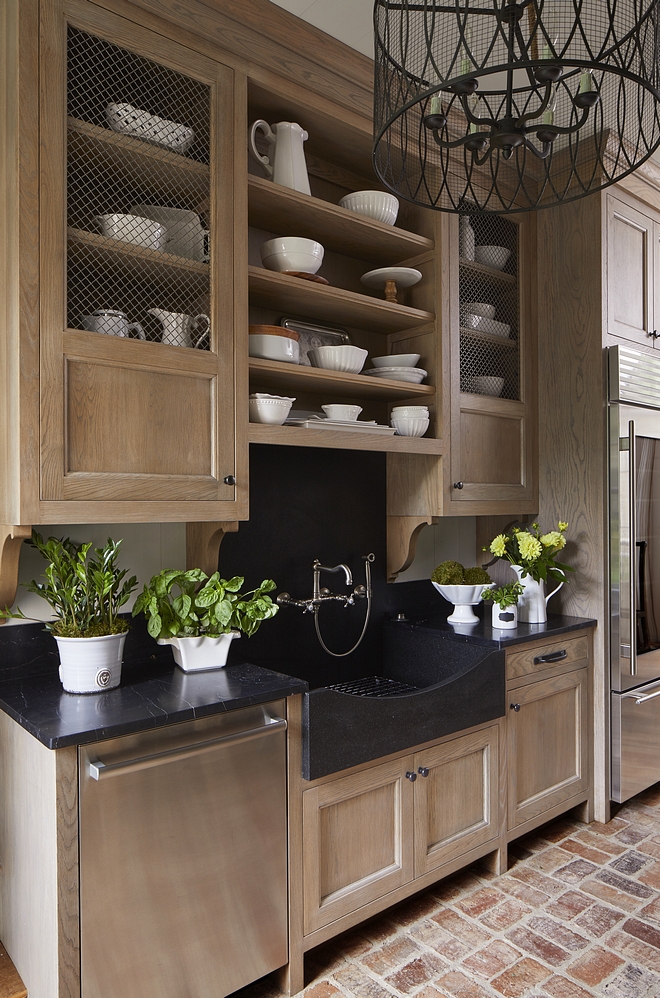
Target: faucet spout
(318,568)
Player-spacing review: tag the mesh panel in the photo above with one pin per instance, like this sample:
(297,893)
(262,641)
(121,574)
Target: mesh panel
(490,361)
(137,196)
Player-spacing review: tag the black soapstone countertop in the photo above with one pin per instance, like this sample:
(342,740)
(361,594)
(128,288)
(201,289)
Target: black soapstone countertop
(482,633)
(153,691)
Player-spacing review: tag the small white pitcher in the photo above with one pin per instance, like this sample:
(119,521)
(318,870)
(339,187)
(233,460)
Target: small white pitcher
(532,605)
(285,139)
(179,329)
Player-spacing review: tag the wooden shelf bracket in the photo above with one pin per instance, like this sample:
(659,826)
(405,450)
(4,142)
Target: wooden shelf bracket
(11,538)
(203,542)
(402,534)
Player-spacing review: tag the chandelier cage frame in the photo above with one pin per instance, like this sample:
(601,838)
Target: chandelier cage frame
(505,107)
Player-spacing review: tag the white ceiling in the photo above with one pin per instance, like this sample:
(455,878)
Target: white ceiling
(351,21)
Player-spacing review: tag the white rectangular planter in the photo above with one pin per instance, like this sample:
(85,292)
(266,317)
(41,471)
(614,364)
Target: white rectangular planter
(205,652)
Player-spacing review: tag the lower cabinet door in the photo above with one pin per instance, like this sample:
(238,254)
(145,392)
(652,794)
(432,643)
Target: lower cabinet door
(456,798)
(357,840)
(547,744)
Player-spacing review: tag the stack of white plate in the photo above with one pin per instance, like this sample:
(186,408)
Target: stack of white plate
(398,367)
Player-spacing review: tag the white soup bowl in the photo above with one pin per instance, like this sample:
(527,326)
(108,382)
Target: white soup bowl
(492,256)
(348,413)
(270,410)
(397,360)
(379,205)
(346,358)
(292,253)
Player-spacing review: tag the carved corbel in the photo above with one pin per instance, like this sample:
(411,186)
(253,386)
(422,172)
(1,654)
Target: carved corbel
(203,542)
(11,538)
(402,534)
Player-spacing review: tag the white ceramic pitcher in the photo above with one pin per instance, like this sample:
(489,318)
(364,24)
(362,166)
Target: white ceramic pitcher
(179,329)
(532,605)
(288,166)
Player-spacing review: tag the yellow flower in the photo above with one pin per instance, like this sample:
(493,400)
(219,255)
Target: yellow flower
(529,547)
(498,546)
(562,526)
(553,540)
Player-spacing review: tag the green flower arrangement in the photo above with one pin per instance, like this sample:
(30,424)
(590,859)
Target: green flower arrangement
(533,551)
(505,596)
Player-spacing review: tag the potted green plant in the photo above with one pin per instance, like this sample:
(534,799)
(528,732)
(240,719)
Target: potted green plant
(85,594)
(533,557)
(462,587)
(200,615)
(505,604)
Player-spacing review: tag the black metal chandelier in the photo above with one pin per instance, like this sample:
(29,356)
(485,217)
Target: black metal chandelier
(504,106)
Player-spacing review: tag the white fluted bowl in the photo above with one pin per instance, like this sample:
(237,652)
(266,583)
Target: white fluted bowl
(463,598)
(346,358)
(379,205)
(410,426)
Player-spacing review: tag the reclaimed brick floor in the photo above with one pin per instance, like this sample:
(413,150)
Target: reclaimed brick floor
(577,915)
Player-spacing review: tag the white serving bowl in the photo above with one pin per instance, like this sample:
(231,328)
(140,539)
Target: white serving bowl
(492,256)
(133,229)
(480,308)
(292,253)
(346,358)
(463,598)
(410,426)
(348,413)
(410,411)
(267,347)
(397,360)
(269,410)
(378,205)
(486,385)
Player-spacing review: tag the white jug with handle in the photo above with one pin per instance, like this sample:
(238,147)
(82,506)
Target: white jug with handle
(288,166)
(179,329)
(532,604)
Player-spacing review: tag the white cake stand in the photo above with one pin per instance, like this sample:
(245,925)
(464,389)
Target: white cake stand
(389,277)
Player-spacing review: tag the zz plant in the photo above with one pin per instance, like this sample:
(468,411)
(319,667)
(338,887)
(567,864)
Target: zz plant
(192,604)
(85,593)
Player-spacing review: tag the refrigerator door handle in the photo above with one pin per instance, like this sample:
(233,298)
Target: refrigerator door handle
(632,521)
(644,697)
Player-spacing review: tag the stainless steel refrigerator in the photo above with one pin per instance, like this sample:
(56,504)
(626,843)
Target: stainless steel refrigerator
(634,494)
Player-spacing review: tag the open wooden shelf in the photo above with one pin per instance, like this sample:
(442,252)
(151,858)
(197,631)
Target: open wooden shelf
(279,209)
(133,259)
(489,339)
(317,301)
(296,377)
(134,159)
(297,436)
(480,270)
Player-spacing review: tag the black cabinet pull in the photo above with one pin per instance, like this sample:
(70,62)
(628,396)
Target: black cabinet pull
(423,771)
(458,485)
(411,776)
(515,706)
(552,656)
(229,480)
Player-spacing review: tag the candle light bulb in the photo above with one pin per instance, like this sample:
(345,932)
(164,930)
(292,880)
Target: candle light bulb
(549,113)
(551,30)
(466,59)
(474,104)
(586,82)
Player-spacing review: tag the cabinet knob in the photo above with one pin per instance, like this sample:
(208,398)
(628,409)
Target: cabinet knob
(411,776)
(515,706)
(653,334)
(229,480)
(423,771)
(458,485)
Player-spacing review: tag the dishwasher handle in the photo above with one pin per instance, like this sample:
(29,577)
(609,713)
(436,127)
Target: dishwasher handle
(640,697)
(99,770)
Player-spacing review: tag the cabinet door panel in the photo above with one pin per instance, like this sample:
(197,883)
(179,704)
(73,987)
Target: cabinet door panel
(630,252)
(357,841)
(547,741)
(492,449)
(456,804)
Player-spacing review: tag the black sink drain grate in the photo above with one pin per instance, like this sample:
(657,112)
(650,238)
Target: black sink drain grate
(373,686)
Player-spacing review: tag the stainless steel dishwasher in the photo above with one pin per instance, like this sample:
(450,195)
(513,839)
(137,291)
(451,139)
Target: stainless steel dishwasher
(183,857)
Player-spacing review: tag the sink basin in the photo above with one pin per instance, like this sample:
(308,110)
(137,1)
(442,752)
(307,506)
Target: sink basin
(424,688)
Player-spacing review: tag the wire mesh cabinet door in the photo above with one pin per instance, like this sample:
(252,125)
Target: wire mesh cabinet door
(492,369)
(138,314)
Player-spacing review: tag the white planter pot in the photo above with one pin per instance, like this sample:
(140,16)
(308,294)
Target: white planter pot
(532,605)
(198,654)
(91,665)
(463,598)
(504,619)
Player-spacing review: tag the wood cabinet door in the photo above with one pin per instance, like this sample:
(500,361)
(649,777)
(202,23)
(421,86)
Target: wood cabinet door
(456,798)
(142,308)
(631,264)
(547,745)
(357,841)
(490,371)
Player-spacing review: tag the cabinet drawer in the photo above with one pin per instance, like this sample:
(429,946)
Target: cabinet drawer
(540,658)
